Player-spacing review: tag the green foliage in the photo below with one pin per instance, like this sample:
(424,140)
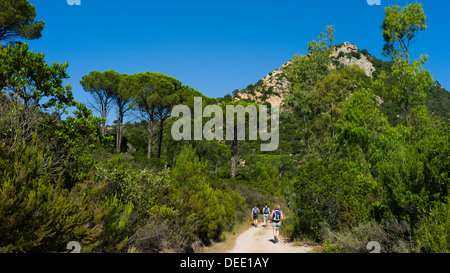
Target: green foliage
(330,93)
(403,177)
(130,197)
(306,71)
(283,163)
(406,85)
(109,88)
(142,188)
(352,54)
(36,214)
(104,88)
(323,189)
(115,224)
(438,101)
(380,66)
(153,95)
(433,232)
(73,142)
(361,125)
(265,178)
(392,235)
(17,21)
(355,54)
(400,27)
(137,135)
(26,78)
(347,171)
(409,81)
(324,41)
(209,212)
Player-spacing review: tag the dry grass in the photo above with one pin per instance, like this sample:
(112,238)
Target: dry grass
(316,248)
(228,243)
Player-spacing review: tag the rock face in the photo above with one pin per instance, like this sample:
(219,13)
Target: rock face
(271,88)
(347,57)
(274,87)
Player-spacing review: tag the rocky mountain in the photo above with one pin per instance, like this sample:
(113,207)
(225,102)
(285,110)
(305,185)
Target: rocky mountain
(274,87)
(348,54)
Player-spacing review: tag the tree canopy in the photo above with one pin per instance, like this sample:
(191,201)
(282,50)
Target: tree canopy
(27,78)
(17,21)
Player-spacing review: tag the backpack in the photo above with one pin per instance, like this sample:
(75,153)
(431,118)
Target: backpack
(255,210)
(276,216)
(266,210)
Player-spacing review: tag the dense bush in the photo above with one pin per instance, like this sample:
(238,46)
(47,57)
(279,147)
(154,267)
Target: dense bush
(323,189)
(209,212)
(393,237)
(433,232)
(36,213)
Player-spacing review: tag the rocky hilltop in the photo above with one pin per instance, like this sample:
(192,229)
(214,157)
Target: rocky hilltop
(349,54)
(273,88)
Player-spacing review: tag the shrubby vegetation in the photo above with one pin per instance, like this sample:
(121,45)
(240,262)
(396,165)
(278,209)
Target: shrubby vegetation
(363,177)
(349,169)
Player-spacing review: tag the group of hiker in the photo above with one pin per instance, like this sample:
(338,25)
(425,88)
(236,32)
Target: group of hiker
(276,217)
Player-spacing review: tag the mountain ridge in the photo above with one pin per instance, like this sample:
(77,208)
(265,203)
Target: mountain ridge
(274,87)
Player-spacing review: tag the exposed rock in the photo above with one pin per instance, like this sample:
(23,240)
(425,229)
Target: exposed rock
(273,88)
(276,82)
(380,101)
(347,60)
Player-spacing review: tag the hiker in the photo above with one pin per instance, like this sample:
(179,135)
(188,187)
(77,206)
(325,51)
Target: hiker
(266,213)
(277,218)
(255,212)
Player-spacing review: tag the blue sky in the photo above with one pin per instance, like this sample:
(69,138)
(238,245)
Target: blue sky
(217,46)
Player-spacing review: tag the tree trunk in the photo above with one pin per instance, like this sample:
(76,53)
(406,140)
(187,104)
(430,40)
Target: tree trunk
(104,116)
(306,133)
(331,117)
(161,128)
(150,137)
(119,130)
(234,157)
(407,107)
(119,136)
(406,119)
(103,129)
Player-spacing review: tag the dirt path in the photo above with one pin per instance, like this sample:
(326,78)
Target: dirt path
(260,240)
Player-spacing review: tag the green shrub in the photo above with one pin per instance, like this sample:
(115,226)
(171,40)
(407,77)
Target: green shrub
(161,232)
(322,189)
(393,237)
(433,233)
(356,54)
(36,214)
(403,178)
(129,196)
(206,210)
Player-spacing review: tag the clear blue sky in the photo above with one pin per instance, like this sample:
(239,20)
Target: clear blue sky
(217,46)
